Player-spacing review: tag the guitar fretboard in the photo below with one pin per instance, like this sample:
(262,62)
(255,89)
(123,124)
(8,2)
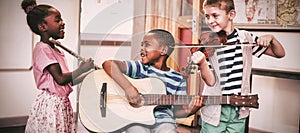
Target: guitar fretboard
(159,99)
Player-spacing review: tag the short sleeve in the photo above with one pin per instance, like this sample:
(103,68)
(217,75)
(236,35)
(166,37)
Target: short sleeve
(182,88)
(43,56)
(245,36)
(258,50)
(133,68)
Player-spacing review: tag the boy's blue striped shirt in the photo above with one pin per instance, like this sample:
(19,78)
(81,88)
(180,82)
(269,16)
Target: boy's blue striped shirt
(174,82)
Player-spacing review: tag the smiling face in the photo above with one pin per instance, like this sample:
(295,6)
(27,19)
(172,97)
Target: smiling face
(152,52)
(218,19)
(54,25)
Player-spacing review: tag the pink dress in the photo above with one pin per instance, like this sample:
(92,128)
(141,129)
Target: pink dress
(51,110)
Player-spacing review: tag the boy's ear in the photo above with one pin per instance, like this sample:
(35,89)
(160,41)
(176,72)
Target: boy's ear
(232,14)
(164,50)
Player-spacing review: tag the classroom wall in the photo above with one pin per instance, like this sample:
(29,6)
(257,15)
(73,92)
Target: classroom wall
(279,98)
(279,105)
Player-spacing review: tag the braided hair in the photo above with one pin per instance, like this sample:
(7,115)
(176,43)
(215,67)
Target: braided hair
(35,14)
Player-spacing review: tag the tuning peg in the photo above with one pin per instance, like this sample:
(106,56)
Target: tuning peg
(243,108)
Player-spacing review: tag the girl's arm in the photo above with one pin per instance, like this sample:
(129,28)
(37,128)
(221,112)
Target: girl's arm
(115,70)
(80,78)
(275,48)
(65,78)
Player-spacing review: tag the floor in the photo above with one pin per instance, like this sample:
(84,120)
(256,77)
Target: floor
(19,129)
(81,129)
(181,129)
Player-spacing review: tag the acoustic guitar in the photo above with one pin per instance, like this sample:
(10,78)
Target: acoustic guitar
(103,106)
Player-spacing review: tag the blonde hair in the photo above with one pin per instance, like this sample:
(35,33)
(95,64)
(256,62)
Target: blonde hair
(226,5)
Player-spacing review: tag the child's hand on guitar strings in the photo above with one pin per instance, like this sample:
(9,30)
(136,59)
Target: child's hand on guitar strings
(194,105)
(134,97)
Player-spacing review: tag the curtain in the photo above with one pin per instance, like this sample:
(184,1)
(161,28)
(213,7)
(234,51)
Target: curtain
(163,14)
(166,14)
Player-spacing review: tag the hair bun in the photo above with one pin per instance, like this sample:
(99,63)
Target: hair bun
(28,5)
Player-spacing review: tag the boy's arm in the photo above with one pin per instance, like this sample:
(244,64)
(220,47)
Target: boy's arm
(115,70)
(190,109)
(206,74)
(275,48)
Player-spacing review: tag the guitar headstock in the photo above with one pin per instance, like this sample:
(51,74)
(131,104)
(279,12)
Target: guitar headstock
(244,101)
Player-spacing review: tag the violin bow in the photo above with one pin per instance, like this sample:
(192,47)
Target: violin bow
(213,45)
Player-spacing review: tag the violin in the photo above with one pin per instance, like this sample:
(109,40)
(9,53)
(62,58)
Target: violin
(212,39)
(206,44)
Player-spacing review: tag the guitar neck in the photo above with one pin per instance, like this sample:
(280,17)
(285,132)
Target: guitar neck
(159,99)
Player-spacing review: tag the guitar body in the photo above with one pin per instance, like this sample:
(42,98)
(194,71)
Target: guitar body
(119,113)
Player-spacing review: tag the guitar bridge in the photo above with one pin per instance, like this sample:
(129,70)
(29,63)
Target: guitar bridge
(103,95)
